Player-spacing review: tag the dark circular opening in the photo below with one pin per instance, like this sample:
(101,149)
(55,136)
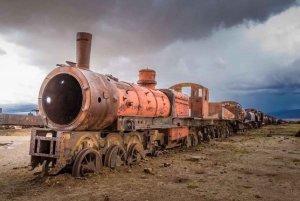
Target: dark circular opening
(99,99)
(62,99)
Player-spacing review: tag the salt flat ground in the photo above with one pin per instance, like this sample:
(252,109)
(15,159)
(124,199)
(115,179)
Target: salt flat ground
(261,164)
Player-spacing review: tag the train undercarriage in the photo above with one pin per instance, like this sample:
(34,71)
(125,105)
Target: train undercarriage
(84,152)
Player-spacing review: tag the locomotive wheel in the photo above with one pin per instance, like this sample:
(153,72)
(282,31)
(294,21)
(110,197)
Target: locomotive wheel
(188,142)
(200,136)
(213,136)
(158,153)
(208,138)
(220,131)
(115,156)
(195,140)
(87,161)
(135,153)
(46,167)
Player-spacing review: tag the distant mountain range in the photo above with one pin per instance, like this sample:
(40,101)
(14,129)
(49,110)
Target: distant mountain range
(286,114)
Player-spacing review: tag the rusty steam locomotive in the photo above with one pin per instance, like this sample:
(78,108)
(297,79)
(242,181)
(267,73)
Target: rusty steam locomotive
(96,120)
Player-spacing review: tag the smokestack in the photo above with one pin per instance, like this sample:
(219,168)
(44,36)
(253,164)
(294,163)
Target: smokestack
(0,110)
(147,78)
(83,50)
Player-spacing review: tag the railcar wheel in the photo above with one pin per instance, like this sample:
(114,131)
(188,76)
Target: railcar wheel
(200,136)
(188,141)
(46,167)
(158,153)
(213,136)
(136,153)
(87,161)
(195,140)
(208,138)
(115,156)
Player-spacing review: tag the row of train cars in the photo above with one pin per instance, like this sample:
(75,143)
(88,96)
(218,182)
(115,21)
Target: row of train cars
(228,110)
(247,118)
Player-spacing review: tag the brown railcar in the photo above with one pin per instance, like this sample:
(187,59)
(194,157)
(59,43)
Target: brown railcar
(10,120)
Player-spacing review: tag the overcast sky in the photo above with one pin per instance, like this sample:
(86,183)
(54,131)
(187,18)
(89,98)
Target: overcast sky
(242,50)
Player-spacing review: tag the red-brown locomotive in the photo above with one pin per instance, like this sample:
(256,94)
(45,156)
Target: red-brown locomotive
(96,120)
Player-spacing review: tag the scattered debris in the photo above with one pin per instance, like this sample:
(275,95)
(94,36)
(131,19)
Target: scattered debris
(148,170)
(194,158)
(257,196)
(106,198)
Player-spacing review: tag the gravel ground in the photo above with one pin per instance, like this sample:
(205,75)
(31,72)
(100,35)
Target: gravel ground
(263,164)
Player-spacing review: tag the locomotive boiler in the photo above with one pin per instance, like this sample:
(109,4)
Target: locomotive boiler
(95,120)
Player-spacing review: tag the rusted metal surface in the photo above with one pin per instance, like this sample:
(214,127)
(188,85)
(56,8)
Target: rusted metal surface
(258,116)
(147,78)
(60,147)
(198,100)
(115,156)
(76,99)
(217,110)
(236,109)
(177,133)
(141,101)
(83,50)
(135,153)
(87,161)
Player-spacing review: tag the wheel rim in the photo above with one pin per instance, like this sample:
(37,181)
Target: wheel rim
(46,167)
(115,156)
(200,136)
(158,153)
(87,161)
(135,153)
(194,140)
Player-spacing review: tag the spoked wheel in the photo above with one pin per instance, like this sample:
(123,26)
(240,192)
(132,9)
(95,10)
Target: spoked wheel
(195,140)
(115,156)
(158,153)
(208,138)
(87,161)
(200,136)
(135,153)
(219,132)
(47,166)
(188,141)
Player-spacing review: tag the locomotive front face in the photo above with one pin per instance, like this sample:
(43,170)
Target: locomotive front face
(76,99)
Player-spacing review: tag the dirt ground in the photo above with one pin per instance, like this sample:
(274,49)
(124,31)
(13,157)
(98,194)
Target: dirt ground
(263,164)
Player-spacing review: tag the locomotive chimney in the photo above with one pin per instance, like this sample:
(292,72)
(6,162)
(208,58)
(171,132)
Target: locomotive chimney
(83,49)
(147,78)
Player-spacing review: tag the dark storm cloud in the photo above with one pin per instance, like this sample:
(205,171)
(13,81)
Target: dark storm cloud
(281,79)
(2,52)
(122,28)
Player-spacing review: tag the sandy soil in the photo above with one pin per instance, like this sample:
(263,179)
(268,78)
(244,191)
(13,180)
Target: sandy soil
(258,165)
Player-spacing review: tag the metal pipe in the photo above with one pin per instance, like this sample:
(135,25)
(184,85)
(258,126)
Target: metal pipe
(83,50)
